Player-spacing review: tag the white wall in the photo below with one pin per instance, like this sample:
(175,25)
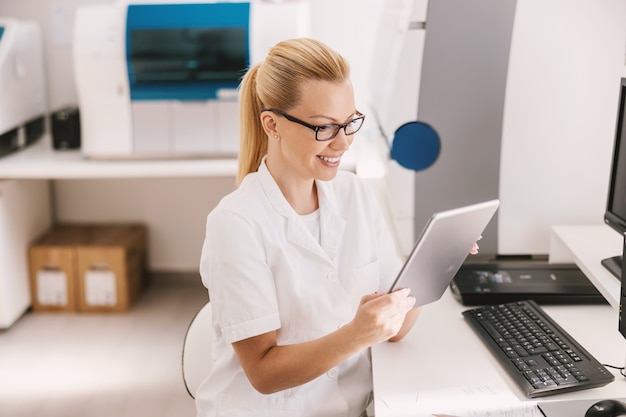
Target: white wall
(558,123)
(567,57)
(174,209)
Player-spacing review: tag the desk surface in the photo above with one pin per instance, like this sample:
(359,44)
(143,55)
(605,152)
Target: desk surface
(586,246)
(442,353)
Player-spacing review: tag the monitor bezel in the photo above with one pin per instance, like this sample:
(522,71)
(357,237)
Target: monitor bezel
(611,218)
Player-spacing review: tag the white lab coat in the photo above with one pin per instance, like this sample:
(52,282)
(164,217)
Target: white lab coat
(265,271)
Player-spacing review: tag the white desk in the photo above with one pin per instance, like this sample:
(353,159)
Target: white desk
(587,246)
(442,353)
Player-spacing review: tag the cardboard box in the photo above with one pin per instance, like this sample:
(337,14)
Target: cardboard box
(53,269)
(88,267)
(111,268)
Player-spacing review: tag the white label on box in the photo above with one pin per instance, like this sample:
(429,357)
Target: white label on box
(100,288)
(51,287)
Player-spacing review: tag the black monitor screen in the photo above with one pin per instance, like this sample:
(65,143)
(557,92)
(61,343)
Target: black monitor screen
(615,215)
(616,204)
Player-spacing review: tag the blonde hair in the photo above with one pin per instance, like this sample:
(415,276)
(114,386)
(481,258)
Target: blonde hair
(275,83)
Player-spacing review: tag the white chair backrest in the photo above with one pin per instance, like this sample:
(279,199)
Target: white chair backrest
(197,358)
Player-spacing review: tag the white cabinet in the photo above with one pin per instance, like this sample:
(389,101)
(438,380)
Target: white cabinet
(24,216)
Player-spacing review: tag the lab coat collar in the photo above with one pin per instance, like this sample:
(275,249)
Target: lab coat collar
(332,225)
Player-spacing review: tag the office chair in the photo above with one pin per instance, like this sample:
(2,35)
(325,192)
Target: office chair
(197,358)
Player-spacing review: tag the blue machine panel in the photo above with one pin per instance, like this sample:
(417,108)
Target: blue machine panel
(186,51)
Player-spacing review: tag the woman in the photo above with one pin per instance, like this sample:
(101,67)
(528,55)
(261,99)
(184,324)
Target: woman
(298,259)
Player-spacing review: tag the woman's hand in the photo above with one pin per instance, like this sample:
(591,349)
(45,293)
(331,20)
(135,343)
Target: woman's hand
(475,248)
(380,316)
(271,367)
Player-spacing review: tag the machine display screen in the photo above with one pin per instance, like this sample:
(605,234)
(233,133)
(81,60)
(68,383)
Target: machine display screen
(175,55)
(186,51)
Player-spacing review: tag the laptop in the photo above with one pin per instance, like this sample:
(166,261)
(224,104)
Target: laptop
(441,249)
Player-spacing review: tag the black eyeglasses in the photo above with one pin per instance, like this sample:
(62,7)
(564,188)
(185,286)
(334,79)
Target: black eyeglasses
(326,132)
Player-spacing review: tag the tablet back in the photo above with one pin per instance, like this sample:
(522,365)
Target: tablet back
(441,249)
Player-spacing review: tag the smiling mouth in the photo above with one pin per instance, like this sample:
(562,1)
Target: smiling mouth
(329,160)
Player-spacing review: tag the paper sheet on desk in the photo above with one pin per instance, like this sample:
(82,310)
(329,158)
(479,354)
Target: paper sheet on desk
(466,401)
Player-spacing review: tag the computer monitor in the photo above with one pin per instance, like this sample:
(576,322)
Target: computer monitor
(615,214)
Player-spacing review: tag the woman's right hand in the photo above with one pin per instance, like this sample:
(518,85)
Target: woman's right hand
(380,316)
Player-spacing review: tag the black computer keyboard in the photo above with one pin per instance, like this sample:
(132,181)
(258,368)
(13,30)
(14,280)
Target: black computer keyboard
(540,356)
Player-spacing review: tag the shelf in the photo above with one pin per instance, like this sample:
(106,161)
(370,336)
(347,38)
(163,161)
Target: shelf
(41,161)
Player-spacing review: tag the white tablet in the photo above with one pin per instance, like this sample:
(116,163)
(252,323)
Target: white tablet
(441,249)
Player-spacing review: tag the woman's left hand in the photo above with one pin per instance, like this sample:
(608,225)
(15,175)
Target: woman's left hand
(475,248)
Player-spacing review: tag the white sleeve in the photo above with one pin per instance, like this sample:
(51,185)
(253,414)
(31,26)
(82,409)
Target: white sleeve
(241,285)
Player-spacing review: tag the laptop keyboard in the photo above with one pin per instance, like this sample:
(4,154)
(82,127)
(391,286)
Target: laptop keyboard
(537,353)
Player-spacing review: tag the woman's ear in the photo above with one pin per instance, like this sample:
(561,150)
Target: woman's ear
(269,125)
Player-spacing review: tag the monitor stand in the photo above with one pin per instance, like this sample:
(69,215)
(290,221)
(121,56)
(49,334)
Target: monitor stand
(614,265)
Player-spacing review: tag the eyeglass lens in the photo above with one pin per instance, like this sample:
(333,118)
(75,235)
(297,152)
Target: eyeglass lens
(330,131)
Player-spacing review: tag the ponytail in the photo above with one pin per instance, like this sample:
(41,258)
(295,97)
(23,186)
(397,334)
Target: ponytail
(253,141)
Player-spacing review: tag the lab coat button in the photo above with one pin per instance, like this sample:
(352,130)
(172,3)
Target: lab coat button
(332,276)
(332,373)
